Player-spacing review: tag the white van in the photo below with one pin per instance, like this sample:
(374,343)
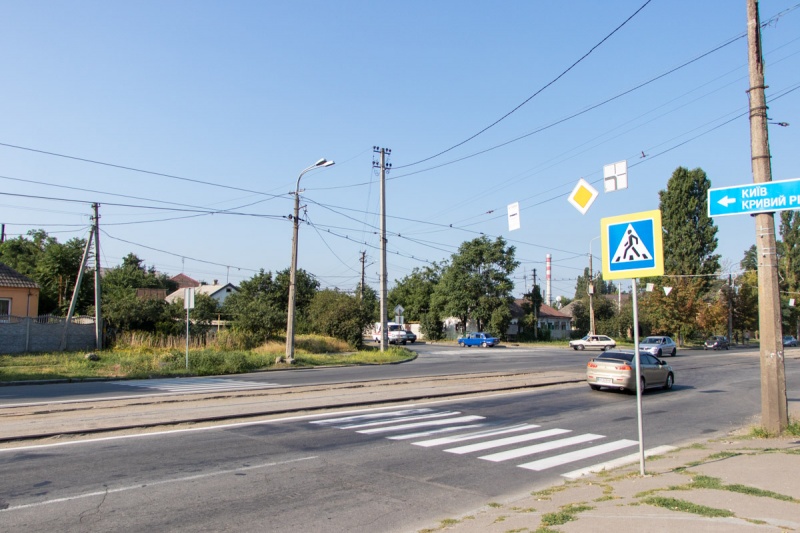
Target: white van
(397,335)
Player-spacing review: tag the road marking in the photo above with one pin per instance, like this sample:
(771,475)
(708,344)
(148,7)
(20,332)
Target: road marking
(197,384)
(571,457)
(480,446)
(103,493)
(434,432)
(538,448)
(421,424)
(400,419)
(404,412)
(476,435)
(616,463)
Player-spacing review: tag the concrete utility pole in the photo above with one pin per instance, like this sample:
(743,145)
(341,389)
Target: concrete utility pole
(363,262)
(98,313)
(382,165)
(774,407)
(590,290)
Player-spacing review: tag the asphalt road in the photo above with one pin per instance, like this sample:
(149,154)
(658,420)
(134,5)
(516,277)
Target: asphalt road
(371,470)
(433,360)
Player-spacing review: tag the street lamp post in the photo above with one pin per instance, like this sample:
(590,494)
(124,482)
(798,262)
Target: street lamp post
(590,288)
(293,271)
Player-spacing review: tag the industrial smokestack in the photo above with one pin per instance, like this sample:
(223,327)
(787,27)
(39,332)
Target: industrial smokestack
(549,298)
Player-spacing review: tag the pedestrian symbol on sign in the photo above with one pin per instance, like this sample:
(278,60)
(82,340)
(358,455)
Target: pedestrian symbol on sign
(631,248)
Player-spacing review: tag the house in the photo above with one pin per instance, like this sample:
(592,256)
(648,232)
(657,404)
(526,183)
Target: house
(218,292)
(19,295)
(551,319)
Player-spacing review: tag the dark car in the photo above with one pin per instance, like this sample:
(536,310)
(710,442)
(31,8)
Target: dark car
(717,342)
(410,336)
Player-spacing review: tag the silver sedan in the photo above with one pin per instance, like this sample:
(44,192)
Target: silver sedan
(614,370)
(658,346)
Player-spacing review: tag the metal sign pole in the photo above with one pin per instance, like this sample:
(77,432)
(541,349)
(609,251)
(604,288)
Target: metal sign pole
(637,366)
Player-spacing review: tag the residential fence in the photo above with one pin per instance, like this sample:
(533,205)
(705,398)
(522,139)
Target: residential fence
(45,333)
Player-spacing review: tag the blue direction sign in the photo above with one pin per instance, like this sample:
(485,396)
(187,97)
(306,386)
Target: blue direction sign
(754,198)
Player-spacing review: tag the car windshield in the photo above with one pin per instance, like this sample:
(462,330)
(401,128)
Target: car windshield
(652,340)
(586,338)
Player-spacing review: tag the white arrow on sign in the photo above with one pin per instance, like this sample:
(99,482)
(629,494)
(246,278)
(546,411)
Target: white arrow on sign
(725,201)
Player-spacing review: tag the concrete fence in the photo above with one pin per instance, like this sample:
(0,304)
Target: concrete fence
(44,334)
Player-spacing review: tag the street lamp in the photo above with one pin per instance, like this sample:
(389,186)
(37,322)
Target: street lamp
(590,288)
(293,271)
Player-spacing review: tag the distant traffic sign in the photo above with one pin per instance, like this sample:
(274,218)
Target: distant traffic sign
(754,198)
(632,245)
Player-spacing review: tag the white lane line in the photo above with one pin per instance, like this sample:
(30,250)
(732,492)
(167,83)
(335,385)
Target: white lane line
(480,446)
(543,447)
(616,463)
(400,419)
(347,419)
(434,432)
(564,458)
(422,424)
(149,484)
(475,435)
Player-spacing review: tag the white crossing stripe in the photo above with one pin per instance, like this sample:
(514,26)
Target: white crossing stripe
(475,435)
(616,463)
(544,447)
(399,419)
(196,384)
(373,416)
(480,446)
(434,432)
(427,423)
(564,458)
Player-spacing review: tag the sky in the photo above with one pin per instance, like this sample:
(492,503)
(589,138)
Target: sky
(190,122)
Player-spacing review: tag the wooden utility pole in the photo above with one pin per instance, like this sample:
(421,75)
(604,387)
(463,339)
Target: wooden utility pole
(774,407)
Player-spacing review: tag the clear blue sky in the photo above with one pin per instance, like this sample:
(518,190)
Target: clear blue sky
(244,95)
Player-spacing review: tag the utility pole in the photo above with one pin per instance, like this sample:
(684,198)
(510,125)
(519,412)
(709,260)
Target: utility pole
(382,166)
(2,233)
(590,290)
(363,262)
(774,407)
(535,310)
(730,307)
(98,313)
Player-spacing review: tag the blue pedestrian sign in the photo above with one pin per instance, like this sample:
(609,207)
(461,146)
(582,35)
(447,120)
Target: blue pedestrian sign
(766,197)
(632,245)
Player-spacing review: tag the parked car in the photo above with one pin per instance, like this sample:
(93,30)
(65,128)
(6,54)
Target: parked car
(789,340)
(410,336)
(658,346)
(593,341)
(395,333)
(614,370)
(478,338)
(717,342)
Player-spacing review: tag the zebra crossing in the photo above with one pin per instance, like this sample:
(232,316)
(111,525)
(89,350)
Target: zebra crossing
(474,435)
(197,384)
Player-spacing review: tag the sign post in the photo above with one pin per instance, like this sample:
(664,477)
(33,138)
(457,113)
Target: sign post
(632,247)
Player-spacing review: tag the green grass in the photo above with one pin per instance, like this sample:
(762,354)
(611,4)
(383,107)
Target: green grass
(566,514)
(687,507)
(141,362)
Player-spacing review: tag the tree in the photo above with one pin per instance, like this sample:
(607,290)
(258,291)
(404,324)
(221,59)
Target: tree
(689,233)
(255,309)
(476,282)
(340,315)
(122,309)
(414,292)
(790,269)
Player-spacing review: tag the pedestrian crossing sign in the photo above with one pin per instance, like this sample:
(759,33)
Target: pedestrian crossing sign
(632,245)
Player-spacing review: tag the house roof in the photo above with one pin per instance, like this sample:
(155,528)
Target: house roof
(210,290)
(11,278)
(184,281)
(545,311)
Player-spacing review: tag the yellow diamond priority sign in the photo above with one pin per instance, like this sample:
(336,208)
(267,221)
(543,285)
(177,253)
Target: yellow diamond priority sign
(582,196)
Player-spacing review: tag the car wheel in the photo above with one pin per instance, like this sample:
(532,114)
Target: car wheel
(727,347)
(659,353)
(483,345)
(461,344)
(670,381)
(575,348)
(595,387)
(674,352)
(581,347)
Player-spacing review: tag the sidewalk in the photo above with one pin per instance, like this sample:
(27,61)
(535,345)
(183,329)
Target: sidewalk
(737,483)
